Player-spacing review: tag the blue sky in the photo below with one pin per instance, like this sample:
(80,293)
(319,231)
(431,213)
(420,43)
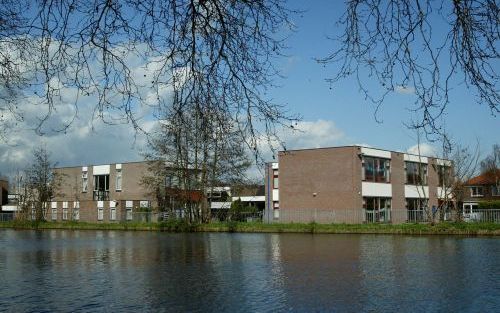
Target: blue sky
(337,116)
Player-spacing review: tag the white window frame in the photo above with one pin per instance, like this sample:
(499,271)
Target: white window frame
(85,181)
(76,210)
(54,214)
(119,180)
(100,210)
(476,194)
(128,210)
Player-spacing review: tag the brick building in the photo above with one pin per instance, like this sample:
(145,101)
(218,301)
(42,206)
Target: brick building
(353,184)
(484,187)
(95,193)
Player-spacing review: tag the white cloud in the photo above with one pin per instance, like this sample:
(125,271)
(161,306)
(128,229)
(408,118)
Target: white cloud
(312,134)
(405,90)
(425,149)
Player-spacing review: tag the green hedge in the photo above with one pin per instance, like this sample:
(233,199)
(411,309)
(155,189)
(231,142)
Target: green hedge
(489,205)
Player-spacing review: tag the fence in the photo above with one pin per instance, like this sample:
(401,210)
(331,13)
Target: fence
(359,216)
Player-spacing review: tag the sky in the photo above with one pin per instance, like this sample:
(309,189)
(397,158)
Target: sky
(330,116)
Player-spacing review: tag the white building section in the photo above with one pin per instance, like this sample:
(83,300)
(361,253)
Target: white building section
(369,189)
(220,205)
(100,169)
(376,153)
(413,191)
(442,193)
(416,158)
(275,166)
(251,199)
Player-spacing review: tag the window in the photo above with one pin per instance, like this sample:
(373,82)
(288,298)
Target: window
(100,210)
(54,214)
(495,190)
(112,214)
(476,191)
(444,174)
(376,170)
(416,173)
(85,181)
(276,209)
(65,210)
(275,179)
(415,208)
(377,209)
(33,214)
(118,180)
(76,210)
(101,187)
(128,210)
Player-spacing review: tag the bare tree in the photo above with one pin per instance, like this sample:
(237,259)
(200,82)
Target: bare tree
(41,183)
(139,54)
(464,165)
(193,152)
(491,165)
(423,47)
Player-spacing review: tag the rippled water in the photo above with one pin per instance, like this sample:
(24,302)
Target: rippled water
(210,272)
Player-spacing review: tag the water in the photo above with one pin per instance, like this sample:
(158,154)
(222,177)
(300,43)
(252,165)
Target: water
(112,271)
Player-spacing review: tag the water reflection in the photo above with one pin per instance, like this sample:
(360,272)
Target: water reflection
(143,271)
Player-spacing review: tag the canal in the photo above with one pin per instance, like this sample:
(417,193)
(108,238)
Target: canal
(113,271)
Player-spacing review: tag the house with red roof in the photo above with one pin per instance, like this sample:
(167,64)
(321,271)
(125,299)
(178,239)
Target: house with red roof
(484,187)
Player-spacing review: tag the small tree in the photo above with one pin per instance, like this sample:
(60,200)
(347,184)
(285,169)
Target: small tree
(41,183)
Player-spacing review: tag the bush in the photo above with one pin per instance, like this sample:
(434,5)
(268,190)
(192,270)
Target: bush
(177,225)
(489,205)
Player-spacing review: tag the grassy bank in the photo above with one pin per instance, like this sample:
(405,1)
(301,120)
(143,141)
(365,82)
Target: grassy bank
(472,229)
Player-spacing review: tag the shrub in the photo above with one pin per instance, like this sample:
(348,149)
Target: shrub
(489,205)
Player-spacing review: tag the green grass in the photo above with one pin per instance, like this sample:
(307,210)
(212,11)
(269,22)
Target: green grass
(446,228)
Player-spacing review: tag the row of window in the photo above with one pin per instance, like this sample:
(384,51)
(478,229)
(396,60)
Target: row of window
(379,170)
(379,209)
(76,214)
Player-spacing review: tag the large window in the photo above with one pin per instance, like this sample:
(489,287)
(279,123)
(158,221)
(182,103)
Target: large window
(416,208)
(377,209)
(416,173)
(376,170)
(444,174)
(101,187)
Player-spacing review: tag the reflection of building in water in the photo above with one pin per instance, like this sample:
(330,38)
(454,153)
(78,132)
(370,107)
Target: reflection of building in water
(321,270)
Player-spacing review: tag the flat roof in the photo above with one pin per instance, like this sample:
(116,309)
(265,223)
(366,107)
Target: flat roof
(357,146)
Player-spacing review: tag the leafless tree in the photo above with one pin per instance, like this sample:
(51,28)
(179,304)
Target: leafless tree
(203,52)
(464,165)
(41,183)
(491,165)
(193,152)
(420,46)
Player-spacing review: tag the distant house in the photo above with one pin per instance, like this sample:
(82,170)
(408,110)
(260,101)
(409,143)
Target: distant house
(221,198)
(481,188)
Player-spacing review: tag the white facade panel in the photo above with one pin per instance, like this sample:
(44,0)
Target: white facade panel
(100,204)
(276,195)
(129,204)
(53,205)
(376,153)
(376,190)
(412,191)
(220,205)
(84,169)
(118,166)
(275,165)
(65,204)
(416,158)
(100,170)
(9,208)
(112,204)
(251,199)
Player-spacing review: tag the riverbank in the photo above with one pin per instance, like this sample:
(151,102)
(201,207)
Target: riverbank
(470,229)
